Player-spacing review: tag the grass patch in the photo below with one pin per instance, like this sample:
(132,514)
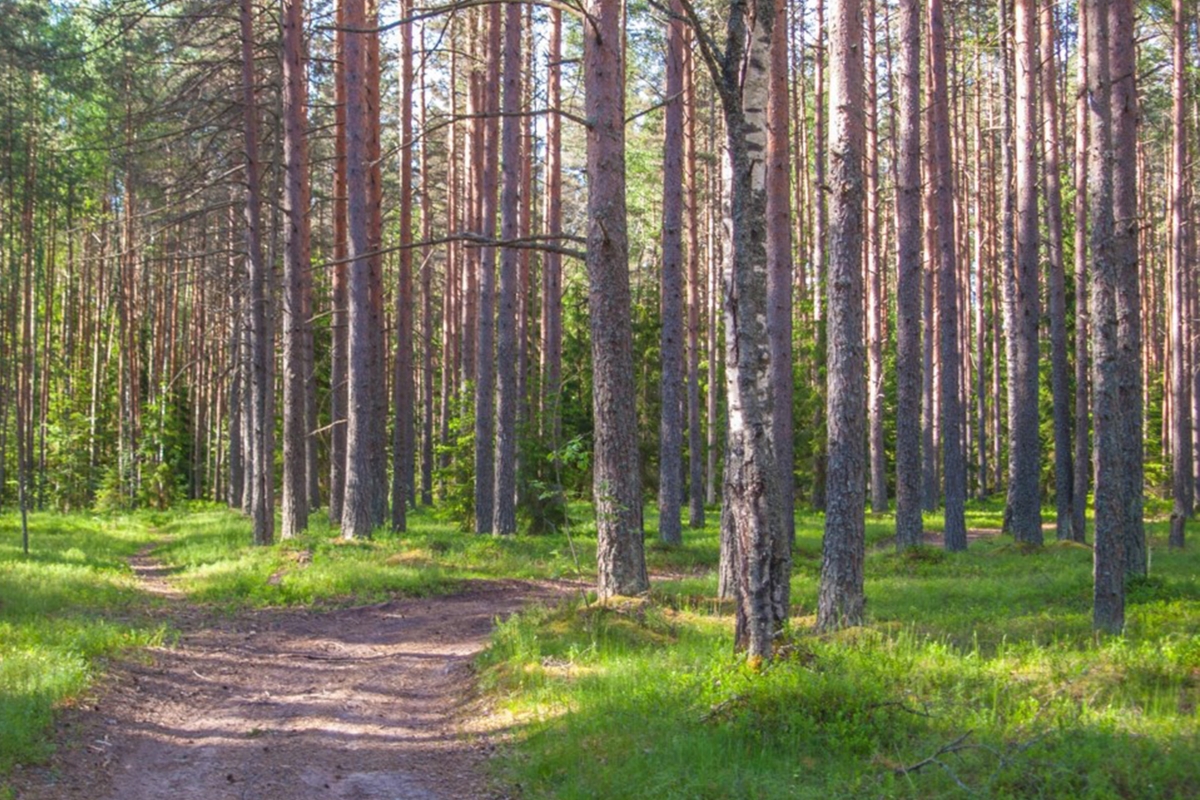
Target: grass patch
(986,656)
(70,602)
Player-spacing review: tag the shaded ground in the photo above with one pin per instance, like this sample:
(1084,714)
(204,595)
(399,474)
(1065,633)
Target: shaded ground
(352,704)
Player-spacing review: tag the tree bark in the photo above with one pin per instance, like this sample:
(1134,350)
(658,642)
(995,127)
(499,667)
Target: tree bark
(1127,286)
(875,309)
(1108,601)
(1025,520)
(620,558)
(1064,480)
(840,593)
(295,267)
(262,463)
(402,375)
(1181,405)
(1082,369)
(339,323)
(779,266)
(363,487)
(909,526)
(505,518)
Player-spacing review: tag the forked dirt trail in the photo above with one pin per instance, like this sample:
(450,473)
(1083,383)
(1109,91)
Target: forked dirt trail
(353,704)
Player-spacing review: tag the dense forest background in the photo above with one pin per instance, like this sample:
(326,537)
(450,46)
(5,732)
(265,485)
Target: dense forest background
(359,230)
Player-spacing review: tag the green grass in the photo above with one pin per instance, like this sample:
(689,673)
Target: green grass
(647,698)
(991,649)
(70,602)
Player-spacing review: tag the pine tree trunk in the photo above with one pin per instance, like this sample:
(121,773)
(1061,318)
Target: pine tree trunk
(1129,487)
(339,323)
(402,375)
(262,462)
(1108,602)
(840,593)
(363,487)
(670,489)
(505,517)
(1064,480)
(909,284)
(295,325)
(1025,520)
(1082,369)
(1181,451)
(779,266)
(695,299)
(875,309)
(620,558)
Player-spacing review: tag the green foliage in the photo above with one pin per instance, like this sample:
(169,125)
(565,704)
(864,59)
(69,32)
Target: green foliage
(69,602)
(455,475)
(988,654)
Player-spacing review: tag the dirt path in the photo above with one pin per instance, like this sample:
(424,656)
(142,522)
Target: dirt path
(352,704)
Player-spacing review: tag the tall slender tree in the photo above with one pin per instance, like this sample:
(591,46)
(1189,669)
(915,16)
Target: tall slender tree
(840,594)
(1025,520)
(908,283)
(262,462)
(620,558)
(295,268)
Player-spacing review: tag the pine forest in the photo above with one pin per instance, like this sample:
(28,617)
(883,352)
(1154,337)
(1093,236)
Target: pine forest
(599,399)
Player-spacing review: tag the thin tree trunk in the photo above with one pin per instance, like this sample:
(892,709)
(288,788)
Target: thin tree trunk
(670,489)
(262,459)
(402,375)
(779,266)
(1127,287)
(505,517)
(1181,439)
(1064,480)
(363,487)
(1025,520)
(909,284)
(695,295)
(339,321)
(875,309)
(1082,370)
(295,418)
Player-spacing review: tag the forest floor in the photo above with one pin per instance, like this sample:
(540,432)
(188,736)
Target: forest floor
(288,703)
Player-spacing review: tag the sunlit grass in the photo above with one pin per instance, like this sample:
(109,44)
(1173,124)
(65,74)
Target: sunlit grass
(994,645)
(71,601)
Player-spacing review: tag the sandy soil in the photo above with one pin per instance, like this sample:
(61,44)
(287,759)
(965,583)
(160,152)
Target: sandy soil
(355,704)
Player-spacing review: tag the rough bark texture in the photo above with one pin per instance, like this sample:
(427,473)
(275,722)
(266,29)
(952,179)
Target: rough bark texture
(670,453)
(295,325)
(485,334)
(504,520)
(1127,286)
(1082,418)
(1025,520)
(1181,434)
(950,401)
(1060,381)
(908,283)
(875,307)
(552,262)
(840,594)
(339,327)
(364,490)
(620,557)
(695,299)
(262,463)
(1108,600)
(779,266)
(755,545)
(402,373)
